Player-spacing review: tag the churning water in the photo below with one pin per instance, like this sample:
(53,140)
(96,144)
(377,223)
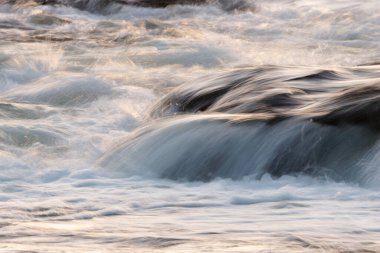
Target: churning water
(227,126)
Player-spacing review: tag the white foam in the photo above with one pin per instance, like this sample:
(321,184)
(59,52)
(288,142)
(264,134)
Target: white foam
(80,86)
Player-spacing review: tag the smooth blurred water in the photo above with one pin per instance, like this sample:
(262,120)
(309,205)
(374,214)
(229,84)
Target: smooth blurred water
(74,82)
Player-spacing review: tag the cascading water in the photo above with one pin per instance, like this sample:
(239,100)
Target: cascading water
(189,126)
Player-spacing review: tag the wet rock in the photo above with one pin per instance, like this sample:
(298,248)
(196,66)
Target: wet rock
(101,5)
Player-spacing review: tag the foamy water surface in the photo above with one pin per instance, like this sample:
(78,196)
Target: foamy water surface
(75,82)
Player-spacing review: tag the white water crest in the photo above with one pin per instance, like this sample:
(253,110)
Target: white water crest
(242,126)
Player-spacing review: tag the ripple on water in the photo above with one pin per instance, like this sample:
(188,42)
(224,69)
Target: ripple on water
(61,91)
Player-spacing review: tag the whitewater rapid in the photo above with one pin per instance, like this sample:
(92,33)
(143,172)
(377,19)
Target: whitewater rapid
(190,128)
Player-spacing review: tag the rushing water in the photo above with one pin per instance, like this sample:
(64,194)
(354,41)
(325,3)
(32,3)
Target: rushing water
(231,126)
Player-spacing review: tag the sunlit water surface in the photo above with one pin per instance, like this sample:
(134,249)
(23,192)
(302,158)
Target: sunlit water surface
(73,83)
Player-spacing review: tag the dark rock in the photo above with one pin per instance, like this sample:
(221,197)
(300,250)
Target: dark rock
(103,5)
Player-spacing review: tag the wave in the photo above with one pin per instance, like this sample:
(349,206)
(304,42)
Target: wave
(255,121)
(106,6)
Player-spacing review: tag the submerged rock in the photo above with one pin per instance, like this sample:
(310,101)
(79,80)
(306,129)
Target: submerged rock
(272,120)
